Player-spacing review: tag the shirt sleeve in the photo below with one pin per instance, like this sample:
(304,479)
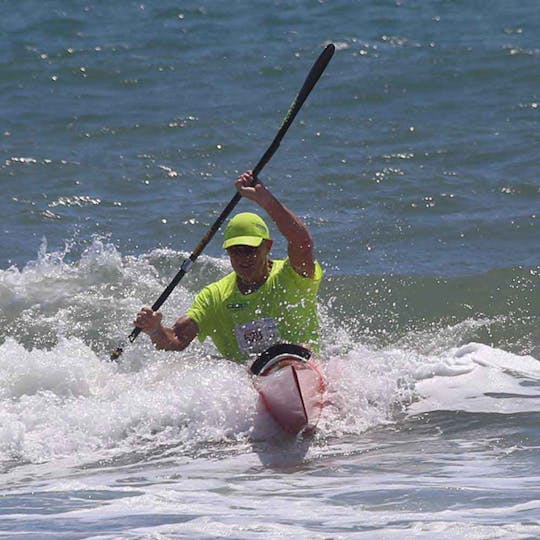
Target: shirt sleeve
(200,312)
(303,281)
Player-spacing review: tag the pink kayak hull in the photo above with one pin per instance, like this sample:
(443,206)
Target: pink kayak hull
(292,392)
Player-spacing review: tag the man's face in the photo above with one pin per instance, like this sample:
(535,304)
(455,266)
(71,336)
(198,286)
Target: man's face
(250,263)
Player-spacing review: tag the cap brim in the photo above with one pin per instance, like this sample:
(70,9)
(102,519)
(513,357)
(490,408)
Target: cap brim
(252,241)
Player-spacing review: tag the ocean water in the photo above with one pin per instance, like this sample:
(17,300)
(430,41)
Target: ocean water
(415,164)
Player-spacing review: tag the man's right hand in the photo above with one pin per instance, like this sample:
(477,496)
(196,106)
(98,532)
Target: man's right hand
(148,321)
(163,337)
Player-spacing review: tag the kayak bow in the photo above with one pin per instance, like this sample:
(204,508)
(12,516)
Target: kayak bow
(290,386)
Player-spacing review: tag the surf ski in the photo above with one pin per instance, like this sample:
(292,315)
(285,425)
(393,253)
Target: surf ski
(290,386)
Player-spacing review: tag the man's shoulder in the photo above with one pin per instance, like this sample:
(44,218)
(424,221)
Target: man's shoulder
(284,267)
(221,287)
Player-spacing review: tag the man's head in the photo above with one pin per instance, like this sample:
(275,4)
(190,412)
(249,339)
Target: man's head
(246,229)
(248,243)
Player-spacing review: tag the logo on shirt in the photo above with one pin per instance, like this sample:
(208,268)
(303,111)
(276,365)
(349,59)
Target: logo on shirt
(237,306)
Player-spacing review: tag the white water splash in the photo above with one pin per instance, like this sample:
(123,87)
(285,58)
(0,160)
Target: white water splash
(479,378)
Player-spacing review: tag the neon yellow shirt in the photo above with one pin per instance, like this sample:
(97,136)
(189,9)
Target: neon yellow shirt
(283,309)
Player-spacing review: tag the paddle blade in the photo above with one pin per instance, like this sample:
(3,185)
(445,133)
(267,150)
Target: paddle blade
(311,80)
(115,355)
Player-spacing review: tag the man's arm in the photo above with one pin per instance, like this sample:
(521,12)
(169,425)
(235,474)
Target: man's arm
(299,240)
(164,338)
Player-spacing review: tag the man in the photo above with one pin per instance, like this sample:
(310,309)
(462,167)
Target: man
(263,301)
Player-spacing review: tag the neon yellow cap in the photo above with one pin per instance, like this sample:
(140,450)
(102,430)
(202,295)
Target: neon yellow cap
(246,229)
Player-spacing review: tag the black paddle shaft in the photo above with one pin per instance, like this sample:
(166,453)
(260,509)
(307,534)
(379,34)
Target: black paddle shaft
(311,80)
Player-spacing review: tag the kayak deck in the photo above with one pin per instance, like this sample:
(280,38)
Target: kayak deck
(291,389)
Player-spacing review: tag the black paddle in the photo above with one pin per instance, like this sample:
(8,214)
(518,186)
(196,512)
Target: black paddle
(311,80)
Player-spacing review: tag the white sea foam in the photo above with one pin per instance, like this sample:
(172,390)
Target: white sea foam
(478,378)
(67,401)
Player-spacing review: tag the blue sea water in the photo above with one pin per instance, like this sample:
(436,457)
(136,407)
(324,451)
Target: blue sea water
(415,164)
